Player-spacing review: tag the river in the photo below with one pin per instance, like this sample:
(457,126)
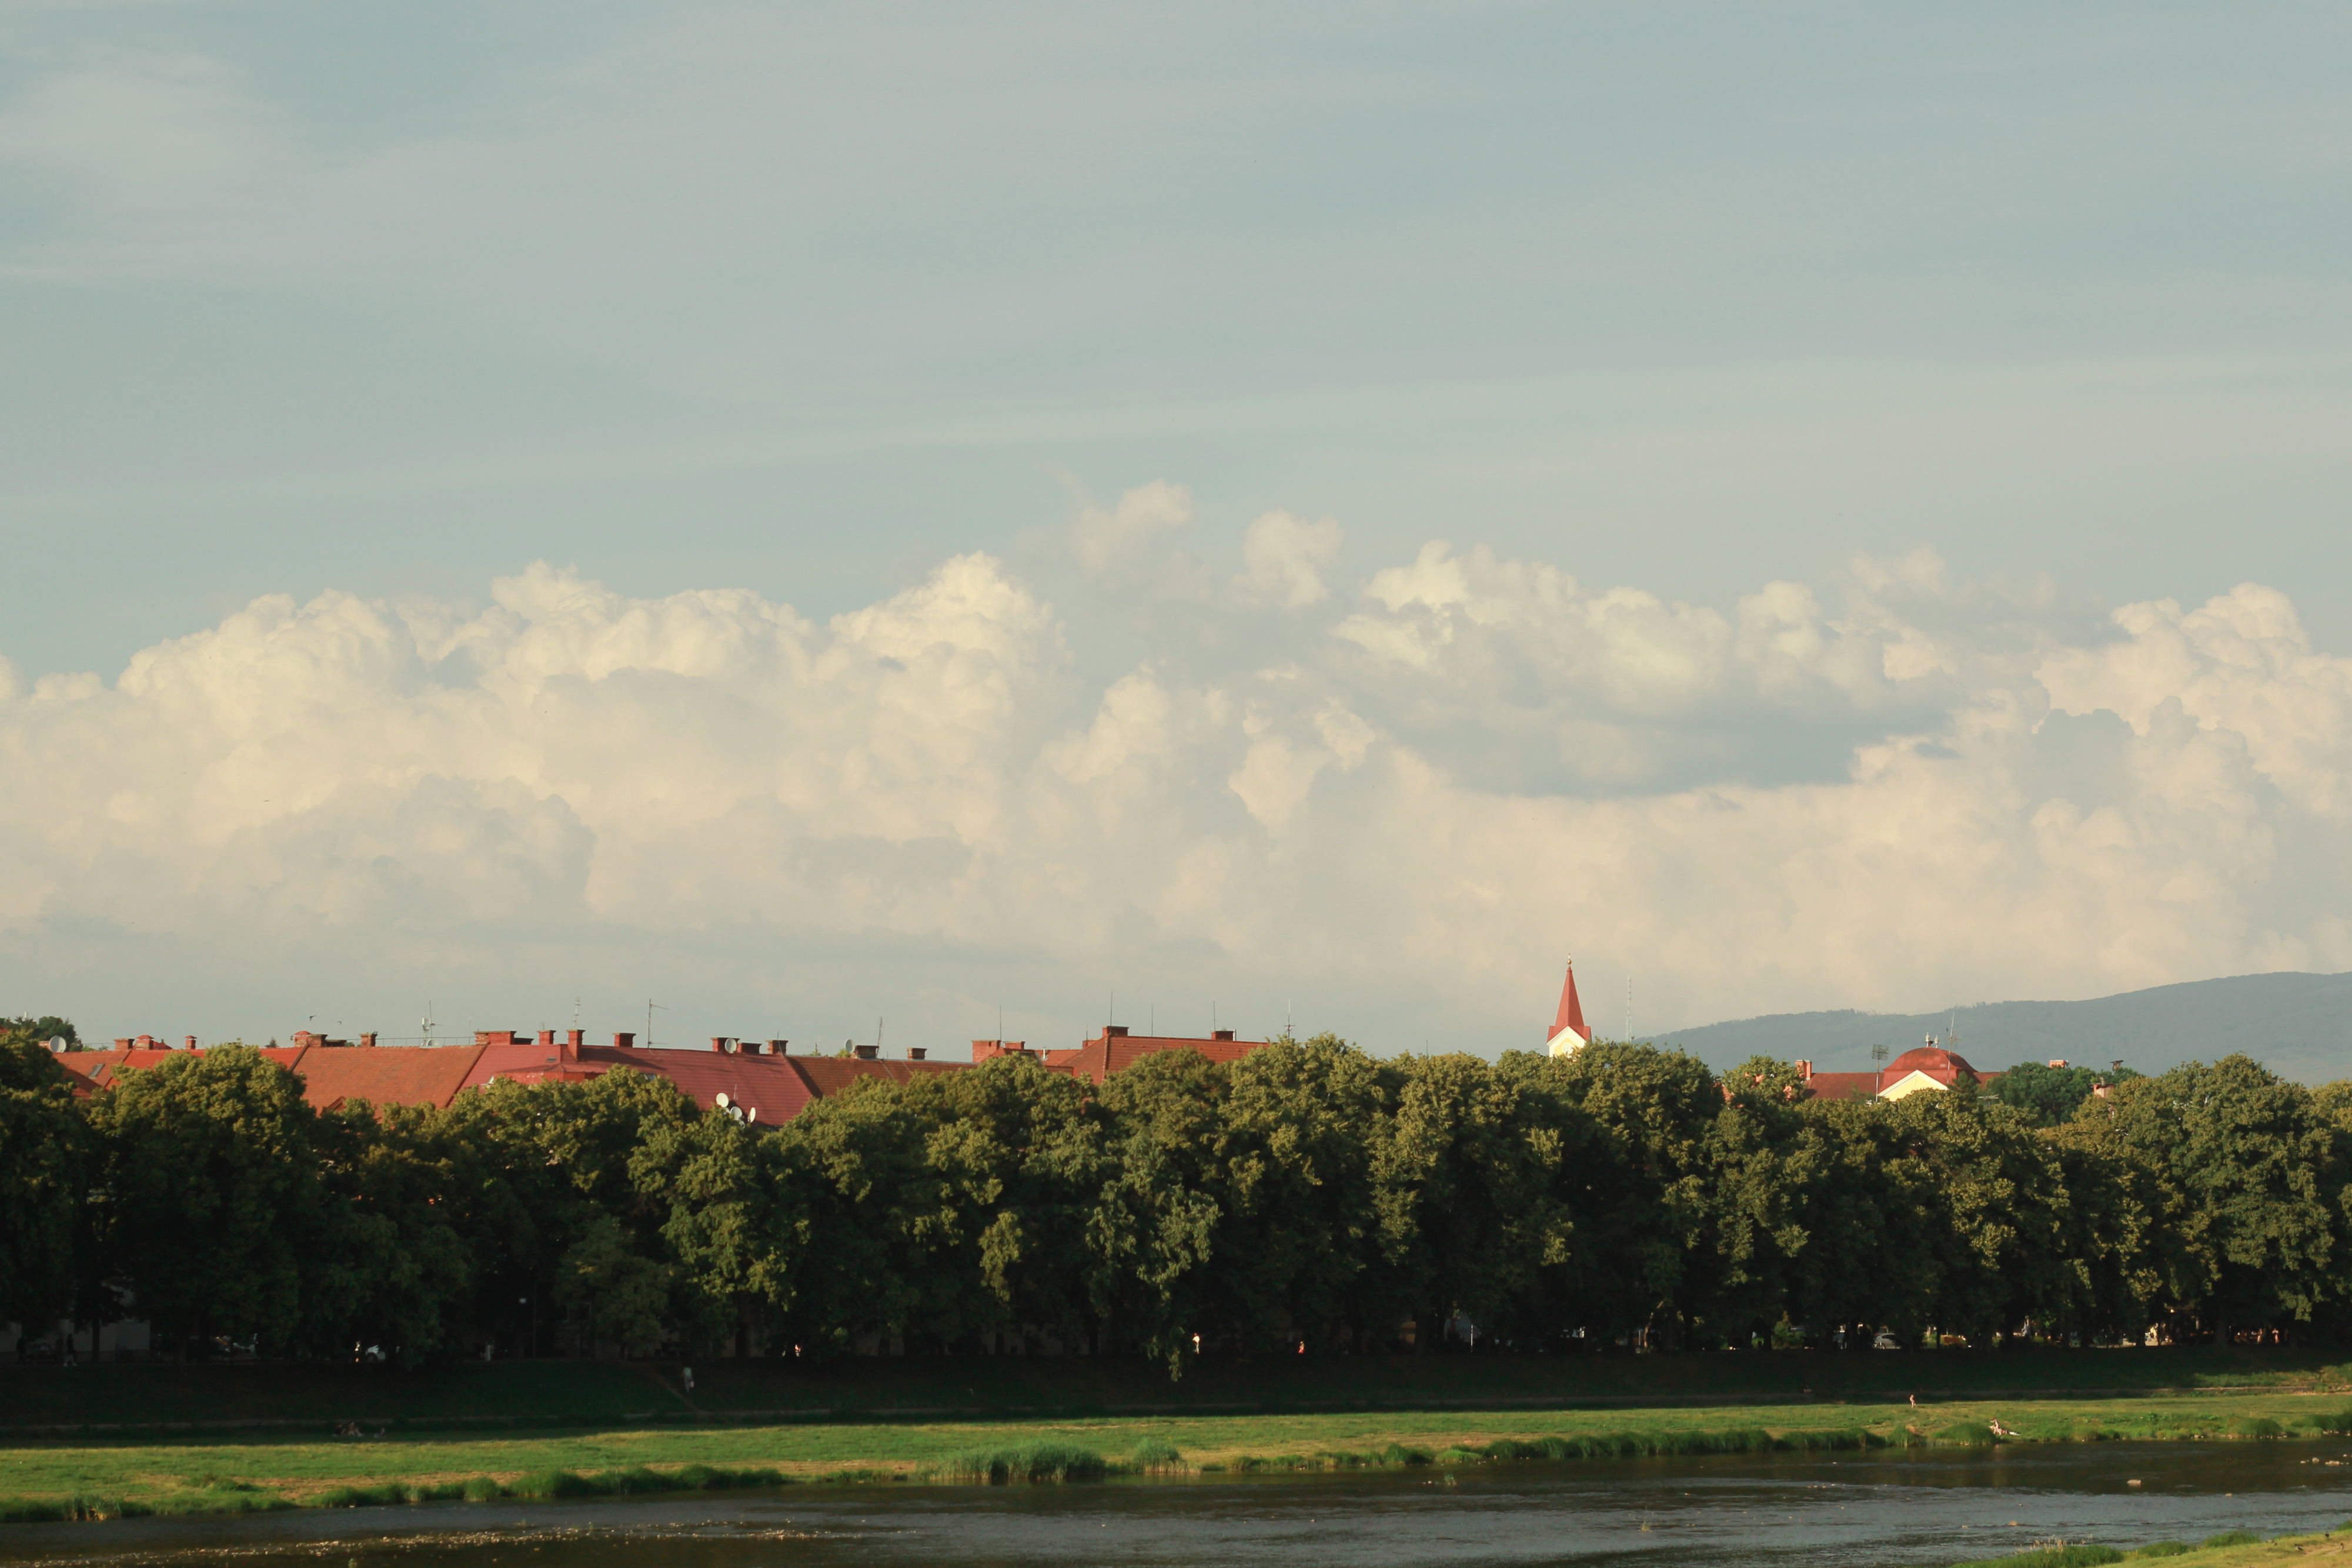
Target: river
(1931,1507)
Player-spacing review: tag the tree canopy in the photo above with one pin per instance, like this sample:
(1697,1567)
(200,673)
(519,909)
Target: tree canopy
(1306,1195)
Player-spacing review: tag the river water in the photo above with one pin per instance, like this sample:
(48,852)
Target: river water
(1935,1507)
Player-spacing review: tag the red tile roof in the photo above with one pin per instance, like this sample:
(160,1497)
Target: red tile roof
(1944,1066)
(1937,1063)
(385,1074)
(829,1075)
(1844,1085)
(771,1085)
(1115,1051)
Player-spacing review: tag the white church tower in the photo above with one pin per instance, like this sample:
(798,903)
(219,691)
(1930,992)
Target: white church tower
(1568,1033)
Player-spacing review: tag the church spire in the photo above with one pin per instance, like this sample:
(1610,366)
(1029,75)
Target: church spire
(1569,1031)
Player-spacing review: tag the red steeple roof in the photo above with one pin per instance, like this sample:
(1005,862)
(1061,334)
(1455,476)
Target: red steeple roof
(1571,1009)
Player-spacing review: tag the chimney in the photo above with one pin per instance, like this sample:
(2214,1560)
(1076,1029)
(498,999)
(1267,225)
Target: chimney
(147,1043)
(869,1052)
(547,1037)
(915,1052)
(751,1047)
(624,1041)
(719,1043)
(2059,1062)
(1114,1031)
(2099,1090)
(367,1038)
(1221,1034)
(191,1042)
(122,1044)
(1804,1072)
(777,1048)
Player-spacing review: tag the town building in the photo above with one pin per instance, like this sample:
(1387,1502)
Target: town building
(1930,1067)
(756,1082)
(1568,1033)
(1116,1050)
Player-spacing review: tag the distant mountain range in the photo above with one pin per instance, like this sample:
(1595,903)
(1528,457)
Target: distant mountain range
(2299,1025)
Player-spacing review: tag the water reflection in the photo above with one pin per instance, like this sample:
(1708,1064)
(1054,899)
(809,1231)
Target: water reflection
(1928,1509)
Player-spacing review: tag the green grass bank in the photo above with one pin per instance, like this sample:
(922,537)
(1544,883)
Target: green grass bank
(2232,1548)
(45,1475)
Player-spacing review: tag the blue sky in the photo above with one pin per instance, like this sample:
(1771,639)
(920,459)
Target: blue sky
(812,304)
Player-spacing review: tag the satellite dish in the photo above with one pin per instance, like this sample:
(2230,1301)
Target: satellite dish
(753,1114)
(722,1100)
(57,1043)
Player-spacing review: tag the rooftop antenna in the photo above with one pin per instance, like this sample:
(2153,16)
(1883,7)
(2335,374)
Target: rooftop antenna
(650,1005)
(1286,1017)
(429,1022)
(1000,1023)
(878,1034)
(575,1012)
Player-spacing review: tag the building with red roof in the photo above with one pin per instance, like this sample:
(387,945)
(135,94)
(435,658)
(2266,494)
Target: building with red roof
(1568,1033)
(1115,1049)
(1929,1066)
(755,1080)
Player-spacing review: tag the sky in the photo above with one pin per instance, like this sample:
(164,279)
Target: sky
(838,518)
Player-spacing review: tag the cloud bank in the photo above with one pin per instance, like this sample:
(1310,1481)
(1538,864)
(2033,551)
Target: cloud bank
(1393,800)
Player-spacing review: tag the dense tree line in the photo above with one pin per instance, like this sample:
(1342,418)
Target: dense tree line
(1307,1193)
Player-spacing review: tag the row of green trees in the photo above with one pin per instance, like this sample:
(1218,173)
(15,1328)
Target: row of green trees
(1306,1193)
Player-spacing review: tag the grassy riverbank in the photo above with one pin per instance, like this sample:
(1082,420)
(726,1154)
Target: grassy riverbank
(54,1478)
(2234,1548)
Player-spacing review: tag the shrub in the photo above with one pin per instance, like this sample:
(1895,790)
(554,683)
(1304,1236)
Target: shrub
(2232,1538)
(2082,1554)
(1045,1462)
(482,1488)
(1154,1454)
(545,1486)
(2162,1549)
(2255,1426)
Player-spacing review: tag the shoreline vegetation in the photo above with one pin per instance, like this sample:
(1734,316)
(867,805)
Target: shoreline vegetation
(2230,1549)
(46,1479)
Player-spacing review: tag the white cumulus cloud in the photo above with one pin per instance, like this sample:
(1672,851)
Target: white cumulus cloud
(1884,790)
(1287,558)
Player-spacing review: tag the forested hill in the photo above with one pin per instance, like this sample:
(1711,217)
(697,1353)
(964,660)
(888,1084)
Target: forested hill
(2299,1025)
